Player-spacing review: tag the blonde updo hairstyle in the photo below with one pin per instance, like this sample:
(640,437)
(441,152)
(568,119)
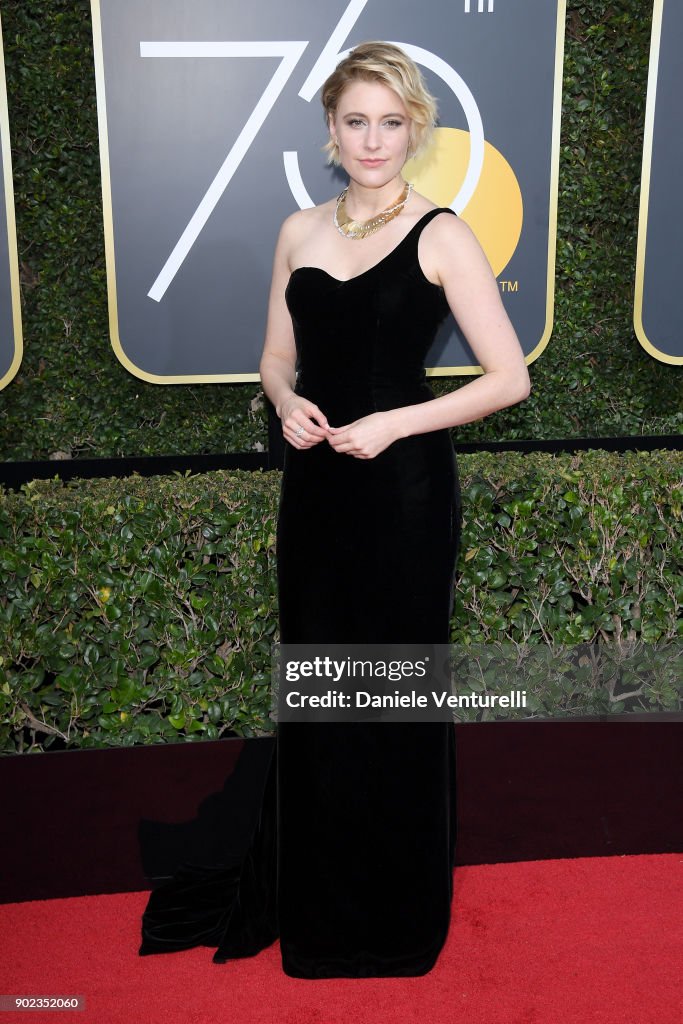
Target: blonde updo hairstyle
(388,64)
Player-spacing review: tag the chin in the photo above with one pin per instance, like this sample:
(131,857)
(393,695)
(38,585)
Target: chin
(380,175)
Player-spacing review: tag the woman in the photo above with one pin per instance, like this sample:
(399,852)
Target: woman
(351,864)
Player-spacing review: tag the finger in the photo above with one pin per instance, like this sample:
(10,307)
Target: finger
(343,438)
(312,427)
(296,430)
(308,424)
(315,414)
(304,413)
(345,426)
(302,439)
(293,431)
(299,440)
(295,442)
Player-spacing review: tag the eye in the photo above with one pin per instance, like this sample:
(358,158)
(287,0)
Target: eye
(353,121)
(394,124)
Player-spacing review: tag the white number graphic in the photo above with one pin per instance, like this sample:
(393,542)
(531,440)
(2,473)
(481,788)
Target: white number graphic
(327,61)
(290,53)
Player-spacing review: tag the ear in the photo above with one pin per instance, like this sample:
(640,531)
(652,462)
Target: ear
(332,126)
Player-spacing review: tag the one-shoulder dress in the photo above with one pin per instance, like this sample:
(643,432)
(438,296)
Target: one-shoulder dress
(351,862)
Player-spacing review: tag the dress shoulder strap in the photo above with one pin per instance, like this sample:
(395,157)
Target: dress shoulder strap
(424,220)
(430,214)
(413,236)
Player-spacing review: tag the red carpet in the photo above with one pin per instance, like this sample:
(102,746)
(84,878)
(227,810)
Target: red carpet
(596,940)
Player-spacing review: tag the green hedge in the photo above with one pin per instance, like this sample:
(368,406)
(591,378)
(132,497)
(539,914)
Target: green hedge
(143,610)
(72,396)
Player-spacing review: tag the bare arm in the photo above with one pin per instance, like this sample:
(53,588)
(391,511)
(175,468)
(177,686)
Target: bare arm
(473,296)
(278,360)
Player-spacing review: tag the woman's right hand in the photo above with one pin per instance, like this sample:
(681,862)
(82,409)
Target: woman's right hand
(297,412)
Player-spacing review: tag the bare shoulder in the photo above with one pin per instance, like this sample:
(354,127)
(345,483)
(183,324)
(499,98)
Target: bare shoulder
(452,240)
(450,251)
(447,229)
(296,220)
(298,226)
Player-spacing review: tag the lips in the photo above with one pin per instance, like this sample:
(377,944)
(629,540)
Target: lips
(372,163)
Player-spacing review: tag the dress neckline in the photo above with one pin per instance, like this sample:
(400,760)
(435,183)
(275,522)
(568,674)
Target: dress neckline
(356,277)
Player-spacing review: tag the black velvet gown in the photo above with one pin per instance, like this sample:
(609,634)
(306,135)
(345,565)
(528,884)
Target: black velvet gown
(351,862)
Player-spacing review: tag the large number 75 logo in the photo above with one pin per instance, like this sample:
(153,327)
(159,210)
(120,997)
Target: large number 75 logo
(291,52)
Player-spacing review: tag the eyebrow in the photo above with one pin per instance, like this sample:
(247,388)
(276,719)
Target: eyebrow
(357,113)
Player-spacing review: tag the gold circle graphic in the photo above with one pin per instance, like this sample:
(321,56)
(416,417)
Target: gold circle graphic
(496,210)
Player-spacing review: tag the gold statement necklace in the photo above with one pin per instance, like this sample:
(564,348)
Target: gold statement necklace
(350,228)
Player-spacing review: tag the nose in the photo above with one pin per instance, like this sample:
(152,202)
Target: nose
(372,139)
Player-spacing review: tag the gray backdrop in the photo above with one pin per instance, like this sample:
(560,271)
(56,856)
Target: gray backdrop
(10,333)
(658,310)
(172,115)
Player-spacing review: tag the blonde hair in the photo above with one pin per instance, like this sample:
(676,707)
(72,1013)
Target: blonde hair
(388,64)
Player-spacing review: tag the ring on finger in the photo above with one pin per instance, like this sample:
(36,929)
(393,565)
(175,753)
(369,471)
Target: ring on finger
(299,432)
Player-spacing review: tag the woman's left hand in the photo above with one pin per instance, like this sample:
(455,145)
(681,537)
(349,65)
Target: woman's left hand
(367,437)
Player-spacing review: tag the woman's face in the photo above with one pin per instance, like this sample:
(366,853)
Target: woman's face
(372,128)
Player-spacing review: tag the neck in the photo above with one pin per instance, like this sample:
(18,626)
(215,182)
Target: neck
(363,203)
